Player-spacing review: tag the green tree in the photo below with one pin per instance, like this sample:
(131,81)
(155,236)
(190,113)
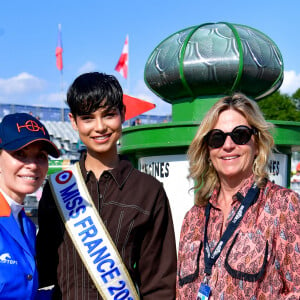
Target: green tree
(296,95)
(296,98)
(279,107)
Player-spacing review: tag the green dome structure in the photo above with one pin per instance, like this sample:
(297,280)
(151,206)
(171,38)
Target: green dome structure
(214,58)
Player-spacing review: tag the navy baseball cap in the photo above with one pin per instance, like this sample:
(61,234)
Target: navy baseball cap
(20,129)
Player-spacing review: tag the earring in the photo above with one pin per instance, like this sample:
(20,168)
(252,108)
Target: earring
(209,162)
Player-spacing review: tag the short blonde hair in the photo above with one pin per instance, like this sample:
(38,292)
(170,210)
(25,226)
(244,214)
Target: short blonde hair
(202,171)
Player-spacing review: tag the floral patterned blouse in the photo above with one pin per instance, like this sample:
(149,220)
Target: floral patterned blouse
(261,260)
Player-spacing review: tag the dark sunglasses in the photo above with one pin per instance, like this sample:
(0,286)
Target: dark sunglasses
(241,135)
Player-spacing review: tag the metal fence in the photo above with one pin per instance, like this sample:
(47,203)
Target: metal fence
(61,114)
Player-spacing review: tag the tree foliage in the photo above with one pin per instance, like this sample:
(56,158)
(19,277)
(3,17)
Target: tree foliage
(280,107)
(296,98)
(296,95)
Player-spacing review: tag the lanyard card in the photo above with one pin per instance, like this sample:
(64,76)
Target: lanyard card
(204,291)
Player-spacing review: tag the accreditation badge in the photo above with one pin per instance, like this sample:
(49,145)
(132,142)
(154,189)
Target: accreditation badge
(204,292)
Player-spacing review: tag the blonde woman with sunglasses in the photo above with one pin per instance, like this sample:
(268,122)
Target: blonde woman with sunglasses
(241,238)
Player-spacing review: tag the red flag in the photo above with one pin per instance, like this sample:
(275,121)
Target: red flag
(122,65)
(135,106)
(59,50)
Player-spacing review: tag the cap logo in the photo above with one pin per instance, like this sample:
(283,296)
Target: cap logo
(31,126)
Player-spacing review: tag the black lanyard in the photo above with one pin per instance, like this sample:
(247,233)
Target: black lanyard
(211,257)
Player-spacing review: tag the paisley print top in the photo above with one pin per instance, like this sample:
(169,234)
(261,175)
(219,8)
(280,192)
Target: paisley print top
(261,260)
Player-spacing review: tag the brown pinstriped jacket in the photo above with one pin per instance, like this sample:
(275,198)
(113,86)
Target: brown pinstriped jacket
(136,212)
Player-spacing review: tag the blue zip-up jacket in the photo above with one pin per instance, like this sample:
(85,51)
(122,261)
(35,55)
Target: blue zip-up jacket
(18,273)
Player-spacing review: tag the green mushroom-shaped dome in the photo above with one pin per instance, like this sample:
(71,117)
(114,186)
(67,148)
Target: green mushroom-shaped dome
(214,59)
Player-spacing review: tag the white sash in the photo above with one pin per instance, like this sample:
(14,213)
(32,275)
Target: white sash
(90,236)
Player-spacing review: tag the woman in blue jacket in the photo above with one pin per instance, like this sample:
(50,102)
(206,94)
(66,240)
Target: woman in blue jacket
(24,148)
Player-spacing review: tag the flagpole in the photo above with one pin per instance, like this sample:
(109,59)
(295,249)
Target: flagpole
(128,77)
(62,95)
(59,65)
